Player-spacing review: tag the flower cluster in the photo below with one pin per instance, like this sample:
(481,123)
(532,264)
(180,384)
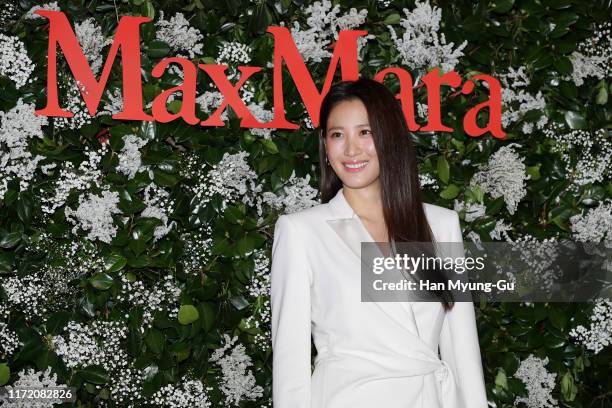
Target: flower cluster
(163,297)
(539,382)
(472,211)
(9,341)
(503,176)
(263,116)
(30,15)
(237,383)
(209,101)
(421,46)
(594,225)
(14,60)
(599,334)
(259,287)
(188,393)
(179,35)
(95,213)
(98,343)
(32,379)
(232,179)
(587,155)
(426,180)
(19,125)
(324,26)
(71,91)
(92,42)
(159,205)
(516,101)
(79,179)
(130,161)
(297,195)
(594,55)
(197,249)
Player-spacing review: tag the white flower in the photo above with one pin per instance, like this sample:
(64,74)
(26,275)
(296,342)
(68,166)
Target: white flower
(593,56)
(232,178)
(98,343)
(30,15)
(323,26)
(86,176)
(473,211)
(18,126)
(9,341)
(74,103)
(92,41)
(503,176)
(238,383)
(517,101)
(427,180)
(500,231)
(179,35)
(95,213)
(297,195)
(130,161)
(263,116)
(539,382)
(599,334)
(187,393)
(595,225)
(14,60)
(587,155)
(29,379)
(421,47)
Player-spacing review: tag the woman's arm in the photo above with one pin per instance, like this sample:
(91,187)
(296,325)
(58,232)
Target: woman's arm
(290,280)
(459,345)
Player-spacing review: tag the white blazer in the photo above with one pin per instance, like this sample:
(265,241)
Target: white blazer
(369,354)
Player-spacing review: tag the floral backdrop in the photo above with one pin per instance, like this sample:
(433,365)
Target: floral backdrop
(135,256)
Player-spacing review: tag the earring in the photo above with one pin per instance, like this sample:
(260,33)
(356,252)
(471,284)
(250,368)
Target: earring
(326,161)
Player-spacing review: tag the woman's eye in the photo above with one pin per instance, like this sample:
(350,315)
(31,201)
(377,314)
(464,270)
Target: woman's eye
(335,133)
(366,130)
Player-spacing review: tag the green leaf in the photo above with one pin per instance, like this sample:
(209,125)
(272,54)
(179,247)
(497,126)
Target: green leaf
(568,387)
(270,146)
(602,95)
(534,172)
(158,49)
(501,380)
(575,120)
(155,341)
(188,314)
(9,239)
(94,375)
(392,19)
(114,262)
(450,192)
(5,373)
(443,169)
(101,281)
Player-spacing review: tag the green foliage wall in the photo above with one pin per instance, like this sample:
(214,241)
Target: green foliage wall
(132,253)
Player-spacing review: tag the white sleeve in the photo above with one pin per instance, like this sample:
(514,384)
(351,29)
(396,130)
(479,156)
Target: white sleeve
(459,345)
(290,280)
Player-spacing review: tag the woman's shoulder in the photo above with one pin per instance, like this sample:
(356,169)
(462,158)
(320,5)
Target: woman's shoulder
(436,211)
(307,216)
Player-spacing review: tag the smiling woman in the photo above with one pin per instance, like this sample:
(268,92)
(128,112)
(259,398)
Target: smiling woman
(369,354)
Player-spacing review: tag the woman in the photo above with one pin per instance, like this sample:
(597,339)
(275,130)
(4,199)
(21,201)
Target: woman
(369,354)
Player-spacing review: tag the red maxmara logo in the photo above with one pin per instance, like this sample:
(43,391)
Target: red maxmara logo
(127,37)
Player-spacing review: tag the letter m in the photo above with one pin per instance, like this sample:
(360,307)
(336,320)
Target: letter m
(345,54)
(127,37)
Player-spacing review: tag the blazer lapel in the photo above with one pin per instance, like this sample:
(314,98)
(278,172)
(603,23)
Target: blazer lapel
(349,228)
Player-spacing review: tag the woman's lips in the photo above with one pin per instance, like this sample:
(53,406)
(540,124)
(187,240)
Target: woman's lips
(355,166)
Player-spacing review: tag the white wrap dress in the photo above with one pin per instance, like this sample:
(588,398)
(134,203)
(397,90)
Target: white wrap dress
(369,354)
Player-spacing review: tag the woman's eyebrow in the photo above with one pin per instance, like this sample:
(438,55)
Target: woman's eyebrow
(341,127)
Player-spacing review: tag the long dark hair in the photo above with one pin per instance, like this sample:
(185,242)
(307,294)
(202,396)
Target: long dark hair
(400,188)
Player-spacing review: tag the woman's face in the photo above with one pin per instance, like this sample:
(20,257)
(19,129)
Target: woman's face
(350,146)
